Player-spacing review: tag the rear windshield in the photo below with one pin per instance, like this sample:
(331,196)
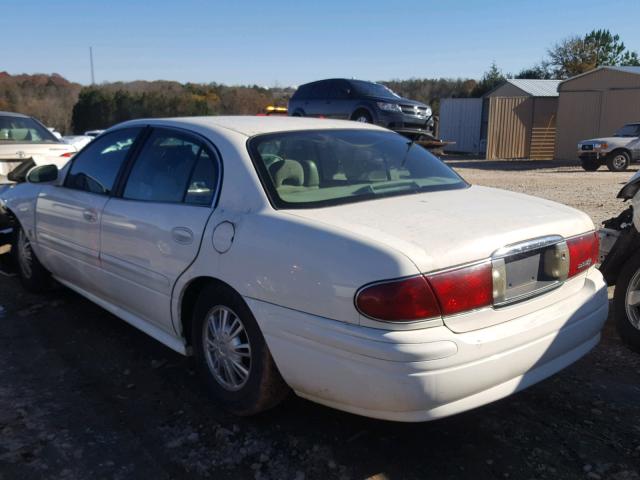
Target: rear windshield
(24,130)
(315,168)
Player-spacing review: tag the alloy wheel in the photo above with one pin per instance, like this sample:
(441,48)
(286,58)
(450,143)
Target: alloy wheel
(619,161)
(632,300)
(227,348)
(25,254)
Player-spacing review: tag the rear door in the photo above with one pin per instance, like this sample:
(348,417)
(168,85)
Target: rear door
(339,104)
(152,230)
(68,215)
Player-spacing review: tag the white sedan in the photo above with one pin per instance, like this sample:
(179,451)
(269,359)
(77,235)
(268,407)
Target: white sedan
(335,259)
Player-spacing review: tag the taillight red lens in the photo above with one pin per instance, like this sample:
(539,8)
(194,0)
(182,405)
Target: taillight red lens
(463,289)
(67,155)
(583,252)
(404,300)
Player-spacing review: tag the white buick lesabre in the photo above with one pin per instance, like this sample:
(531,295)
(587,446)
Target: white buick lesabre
(336,259)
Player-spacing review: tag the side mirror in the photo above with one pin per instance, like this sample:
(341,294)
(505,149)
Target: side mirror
(43,174)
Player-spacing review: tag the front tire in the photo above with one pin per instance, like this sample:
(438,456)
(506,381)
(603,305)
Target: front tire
(590,165)
(33,276)
(362,116)
(232,355)
(618,161)
(626,303)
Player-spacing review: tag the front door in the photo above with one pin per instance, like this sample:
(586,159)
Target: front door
(68,216)
(152,231)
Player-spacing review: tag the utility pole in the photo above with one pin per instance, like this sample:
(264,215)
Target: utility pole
(93,78)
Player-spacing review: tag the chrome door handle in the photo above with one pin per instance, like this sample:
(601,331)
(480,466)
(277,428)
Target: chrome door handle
(182,235)
(90,215)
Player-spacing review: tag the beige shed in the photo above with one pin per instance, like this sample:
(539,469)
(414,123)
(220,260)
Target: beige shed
(521,119)
(595,104)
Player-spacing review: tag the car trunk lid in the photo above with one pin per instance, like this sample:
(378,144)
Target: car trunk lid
(13,154)
(520,234)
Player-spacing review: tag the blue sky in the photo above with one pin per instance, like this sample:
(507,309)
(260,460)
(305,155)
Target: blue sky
(291,42)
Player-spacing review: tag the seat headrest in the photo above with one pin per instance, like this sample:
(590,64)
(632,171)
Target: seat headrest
(287,172)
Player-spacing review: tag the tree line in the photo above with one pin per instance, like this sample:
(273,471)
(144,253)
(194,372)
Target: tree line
(70,107)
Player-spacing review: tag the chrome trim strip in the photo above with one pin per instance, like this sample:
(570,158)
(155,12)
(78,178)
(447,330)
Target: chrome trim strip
(526,246)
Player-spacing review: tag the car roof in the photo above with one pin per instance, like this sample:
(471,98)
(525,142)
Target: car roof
(336,79)
(255,125)
(13,114)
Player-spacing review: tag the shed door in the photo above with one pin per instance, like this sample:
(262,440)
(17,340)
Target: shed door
(578,119)
(510,120)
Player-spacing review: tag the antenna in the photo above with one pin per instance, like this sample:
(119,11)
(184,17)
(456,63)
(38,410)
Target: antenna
(93,78)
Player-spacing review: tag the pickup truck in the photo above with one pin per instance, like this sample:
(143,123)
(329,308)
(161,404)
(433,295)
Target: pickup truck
(617,152)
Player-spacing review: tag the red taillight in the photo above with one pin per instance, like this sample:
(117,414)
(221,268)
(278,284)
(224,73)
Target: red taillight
(68,154)
(405,300)
(583,252)
(464,289)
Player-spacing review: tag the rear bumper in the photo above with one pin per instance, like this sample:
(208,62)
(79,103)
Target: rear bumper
(430,373)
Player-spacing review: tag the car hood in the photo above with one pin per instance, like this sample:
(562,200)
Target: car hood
(617,141)
(402,100)
(442,229)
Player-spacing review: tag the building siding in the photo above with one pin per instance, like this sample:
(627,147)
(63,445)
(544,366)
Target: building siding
(510,122)
(460,122)
(595,105)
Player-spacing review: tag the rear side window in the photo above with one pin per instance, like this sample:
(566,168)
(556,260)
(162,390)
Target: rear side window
(172,168)
(203,181)
(96,168)
(338,90)
(302,93)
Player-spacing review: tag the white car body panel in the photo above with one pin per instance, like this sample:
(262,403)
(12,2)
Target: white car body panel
(299,270)
(465,230)
(145,248)
(78,141)
(13,154)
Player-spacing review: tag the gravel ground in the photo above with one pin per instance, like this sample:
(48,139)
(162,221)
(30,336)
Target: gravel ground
(591,192)
(83,395)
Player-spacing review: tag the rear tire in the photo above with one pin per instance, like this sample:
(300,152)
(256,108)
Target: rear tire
(232,356)
(618,161)
(627,317)
(33,276)
(590,165)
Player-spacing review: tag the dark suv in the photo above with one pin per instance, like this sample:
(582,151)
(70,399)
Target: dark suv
(360,101)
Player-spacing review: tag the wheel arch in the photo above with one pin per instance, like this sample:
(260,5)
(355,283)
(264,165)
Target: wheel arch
(363,108)
(188,299)
(621,149)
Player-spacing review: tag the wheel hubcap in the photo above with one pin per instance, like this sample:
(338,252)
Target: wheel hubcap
(362,119)
(632,302)
(25,254)
(227,348)
(619,161)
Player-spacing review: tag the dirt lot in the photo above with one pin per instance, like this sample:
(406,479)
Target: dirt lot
(83,395)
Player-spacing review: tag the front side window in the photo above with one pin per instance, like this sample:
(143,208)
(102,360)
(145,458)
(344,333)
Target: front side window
(96,168)
(172,168)
(23,130)
(370,89)
(317,168)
